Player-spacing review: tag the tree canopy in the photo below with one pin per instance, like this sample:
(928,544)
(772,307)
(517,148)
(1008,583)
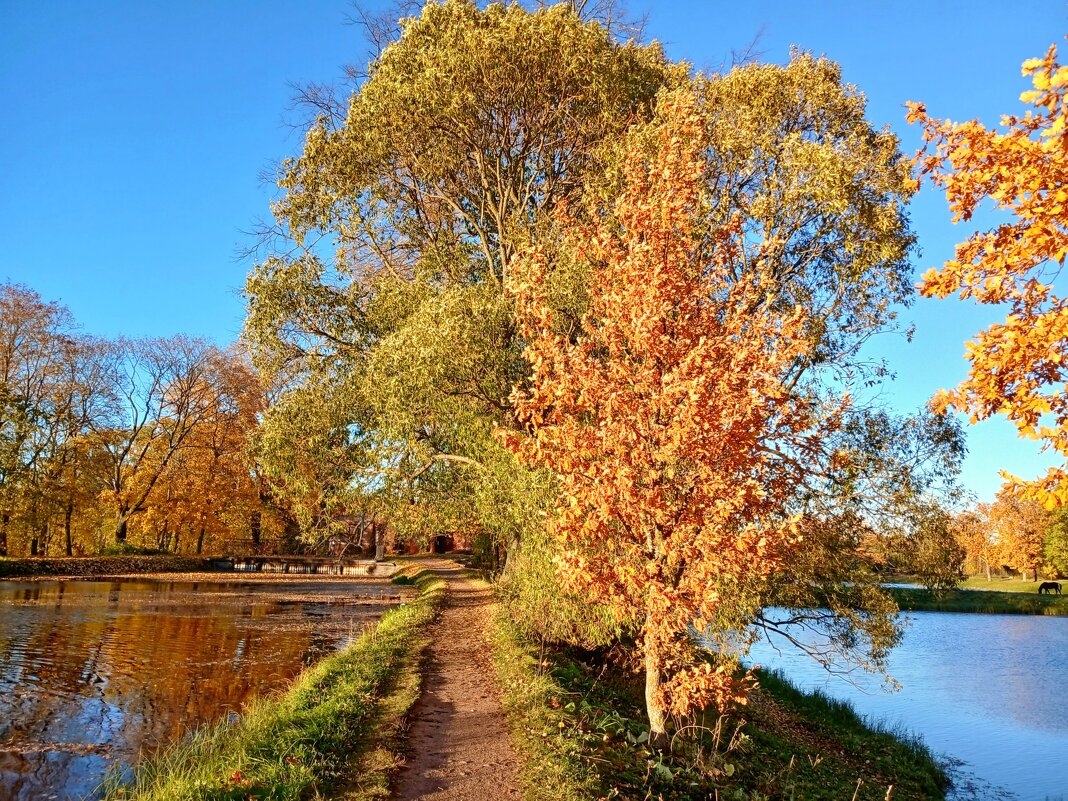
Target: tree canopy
(385,323)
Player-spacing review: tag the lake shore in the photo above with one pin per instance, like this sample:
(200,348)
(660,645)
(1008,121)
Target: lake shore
(979,601)
(578,722)
(339,726)
(99,566)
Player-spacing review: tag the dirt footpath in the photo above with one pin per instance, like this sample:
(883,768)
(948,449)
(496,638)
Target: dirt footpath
(458,743)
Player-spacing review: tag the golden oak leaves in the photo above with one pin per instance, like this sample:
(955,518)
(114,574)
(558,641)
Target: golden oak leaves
(1018,367)
(658,416)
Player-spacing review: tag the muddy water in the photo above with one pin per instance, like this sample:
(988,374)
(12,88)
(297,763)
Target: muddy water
(95,673)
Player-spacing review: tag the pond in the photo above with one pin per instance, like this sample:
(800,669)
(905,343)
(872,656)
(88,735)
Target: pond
(95,673)
(988,690)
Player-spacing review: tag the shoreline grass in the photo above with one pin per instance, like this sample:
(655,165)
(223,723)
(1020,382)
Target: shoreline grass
(554,764)
(979,601)
(579,726)
(336,727)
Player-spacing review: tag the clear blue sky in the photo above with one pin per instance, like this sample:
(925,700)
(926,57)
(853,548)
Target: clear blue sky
(134,135)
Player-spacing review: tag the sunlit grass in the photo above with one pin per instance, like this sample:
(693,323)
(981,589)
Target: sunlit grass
(1006,584)
(332,729)
(1003,602)
(579,725)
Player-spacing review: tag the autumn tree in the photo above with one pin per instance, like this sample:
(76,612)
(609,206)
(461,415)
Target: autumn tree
(45,399)
(393,357)
(935,555)
(445,163)
(972,531)
(209,483)
(1017,367)
(157,395)
(402,346)
(57,483)
(1019,526)
(671,415)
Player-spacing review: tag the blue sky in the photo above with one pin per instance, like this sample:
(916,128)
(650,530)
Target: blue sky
(135,134)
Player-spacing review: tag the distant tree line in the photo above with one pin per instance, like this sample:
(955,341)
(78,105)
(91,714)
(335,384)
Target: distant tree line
(1013,535)
(124,443)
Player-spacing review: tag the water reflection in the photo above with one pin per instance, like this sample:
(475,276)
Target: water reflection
(93,673)
(987,689)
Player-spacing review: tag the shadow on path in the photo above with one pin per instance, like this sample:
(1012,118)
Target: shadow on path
(459,745)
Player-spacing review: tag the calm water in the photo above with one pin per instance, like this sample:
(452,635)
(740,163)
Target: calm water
(93,673)
(990,690)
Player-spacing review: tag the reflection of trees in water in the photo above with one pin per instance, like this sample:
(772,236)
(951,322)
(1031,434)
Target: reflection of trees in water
(137,666)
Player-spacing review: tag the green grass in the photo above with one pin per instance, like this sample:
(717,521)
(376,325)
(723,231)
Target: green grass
(554,762)
(1004,602)
(1006,585)
(335,729)
(812,746)
(579,725)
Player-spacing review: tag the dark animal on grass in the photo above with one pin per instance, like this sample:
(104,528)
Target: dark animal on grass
(1049,587)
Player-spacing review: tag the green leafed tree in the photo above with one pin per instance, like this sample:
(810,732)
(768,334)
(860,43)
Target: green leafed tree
(1055,546)
(382,309)
(470,127)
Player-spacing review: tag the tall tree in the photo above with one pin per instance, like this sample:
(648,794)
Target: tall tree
(1019,368)
(678,416)
(210,479)
(157,395)
(38,398)
(471,125)
(1020,526)
(972,530)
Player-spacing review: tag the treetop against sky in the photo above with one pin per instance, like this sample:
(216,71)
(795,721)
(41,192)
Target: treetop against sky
(137,136)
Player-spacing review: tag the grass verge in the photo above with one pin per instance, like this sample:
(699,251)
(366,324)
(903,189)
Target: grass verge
(555,763)
(579,725)
(337,728)
(1000,602)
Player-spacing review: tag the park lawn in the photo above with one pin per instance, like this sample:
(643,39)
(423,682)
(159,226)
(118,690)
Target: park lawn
(1000,602)
(1008,584)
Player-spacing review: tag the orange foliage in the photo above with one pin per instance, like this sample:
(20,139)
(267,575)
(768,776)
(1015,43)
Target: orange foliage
(1019,527)
(665,418)
(1018,366)
(206,491)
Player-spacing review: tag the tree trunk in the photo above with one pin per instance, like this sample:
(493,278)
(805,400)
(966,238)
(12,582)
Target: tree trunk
(68,513)
(657,720)
(507,564)
(380,541)
(3,533)
(121,523)
(987,562)
(255,527)
(200,541)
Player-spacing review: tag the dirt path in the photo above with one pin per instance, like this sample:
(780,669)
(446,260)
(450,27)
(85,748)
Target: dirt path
(459,745)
